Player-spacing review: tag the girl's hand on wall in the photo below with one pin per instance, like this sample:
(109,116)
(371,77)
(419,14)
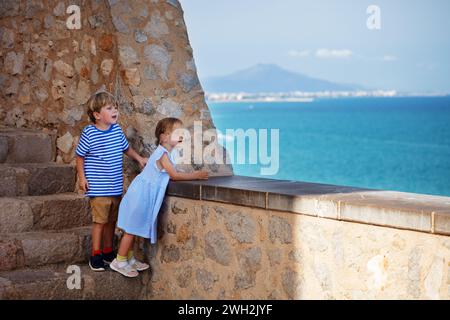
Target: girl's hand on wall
(142,162)
(201,175)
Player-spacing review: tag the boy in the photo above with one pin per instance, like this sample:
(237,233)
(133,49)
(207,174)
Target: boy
(99,166)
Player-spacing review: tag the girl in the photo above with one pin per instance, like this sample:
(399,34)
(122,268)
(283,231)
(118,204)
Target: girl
(139,208)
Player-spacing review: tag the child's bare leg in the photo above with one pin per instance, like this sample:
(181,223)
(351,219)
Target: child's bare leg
(108,234)
(97,231)
(126,244)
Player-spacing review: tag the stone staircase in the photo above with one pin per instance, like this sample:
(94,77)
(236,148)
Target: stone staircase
(45,226)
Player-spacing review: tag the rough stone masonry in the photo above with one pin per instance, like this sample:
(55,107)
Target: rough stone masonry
(139,50)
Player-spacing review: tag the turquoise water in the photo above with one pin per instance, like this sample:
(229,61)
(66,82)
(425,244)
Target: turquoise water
(383,143)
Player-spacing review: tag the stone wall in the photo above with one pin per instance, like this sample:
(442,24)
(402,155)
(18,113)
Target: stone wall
(211,250)
(139,50)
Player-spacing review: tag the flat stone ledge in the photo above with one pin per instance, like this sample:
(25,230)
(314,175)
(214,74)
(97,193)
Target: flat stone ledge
(34,179)
(184,189)
(26,146)
(50,283)
(46,212)
(241,197)
(402,210)
(442,222)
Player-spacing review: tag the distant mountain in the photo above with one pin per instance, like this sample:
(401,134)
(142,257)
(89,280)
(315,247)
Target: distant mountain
(271,78)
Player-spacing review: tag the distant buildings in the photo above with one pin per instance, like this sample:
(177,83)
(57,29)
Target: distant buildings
(297,96)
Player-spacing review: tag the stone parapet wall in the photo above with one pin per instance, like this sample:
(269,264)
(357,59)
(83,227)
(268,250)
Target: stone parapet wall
(251,238)
(212,250)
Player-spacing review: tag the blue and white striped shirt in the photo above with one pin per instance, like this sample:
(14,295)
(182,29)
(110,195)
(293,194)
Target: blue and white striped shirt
(103,159)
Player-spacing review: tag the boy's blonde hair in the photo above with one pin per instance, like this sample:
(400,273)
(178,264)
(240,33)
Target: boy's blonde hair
(165,125)
(97,101)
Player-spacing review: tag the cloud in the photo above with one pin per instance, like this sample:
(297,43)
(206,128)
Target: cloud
(388,58)
(339,54)
(333,53)
(302,53)
(384,58)
(429,66)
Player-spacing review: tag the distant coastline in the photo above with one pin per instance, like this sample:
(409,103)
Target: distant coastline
(392,143)
(299,96)
(272,83)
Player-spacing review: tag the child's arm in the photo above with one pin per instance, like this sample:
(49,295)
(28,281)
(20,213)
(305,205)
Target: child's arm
(134,155)
(165,163)
(82,178)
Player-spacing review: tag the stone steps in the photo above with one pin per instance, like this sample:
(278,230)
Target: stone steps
(34,179)
(45,226)
(26,146)
(50,282)
(48,212)
(28,249)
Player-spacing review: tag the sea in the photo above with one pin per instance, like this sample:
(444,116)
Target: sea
(389,143)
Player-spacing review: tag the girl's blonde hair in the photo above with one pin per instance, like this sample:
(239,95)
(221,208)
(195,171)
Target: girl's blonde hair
(97,101)
(165,125)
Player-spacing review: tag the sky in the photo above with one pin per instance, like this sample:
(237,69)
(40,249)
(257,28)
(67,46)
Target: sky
(326,39)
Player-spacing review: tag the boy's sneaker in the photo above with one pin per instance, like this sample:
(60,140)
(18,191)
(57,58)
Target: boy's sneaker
(138,265)
(108,257)
(124,269)
(96,263)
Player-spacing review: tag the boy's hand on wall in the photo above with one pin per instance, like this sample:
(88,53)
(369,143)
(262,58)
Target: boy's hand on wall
(84,185)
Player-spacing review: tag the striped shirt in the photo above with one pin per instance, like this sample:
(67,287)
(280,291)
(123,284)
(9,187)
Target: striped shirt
(102,151)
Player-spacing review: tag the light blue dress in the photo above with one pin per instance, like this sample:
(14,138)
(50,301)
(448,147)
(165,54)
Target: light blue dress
(139,208)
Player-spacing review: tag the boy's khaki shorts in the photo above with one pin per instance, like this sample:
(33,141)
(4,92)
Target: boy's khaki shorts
(104,209)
